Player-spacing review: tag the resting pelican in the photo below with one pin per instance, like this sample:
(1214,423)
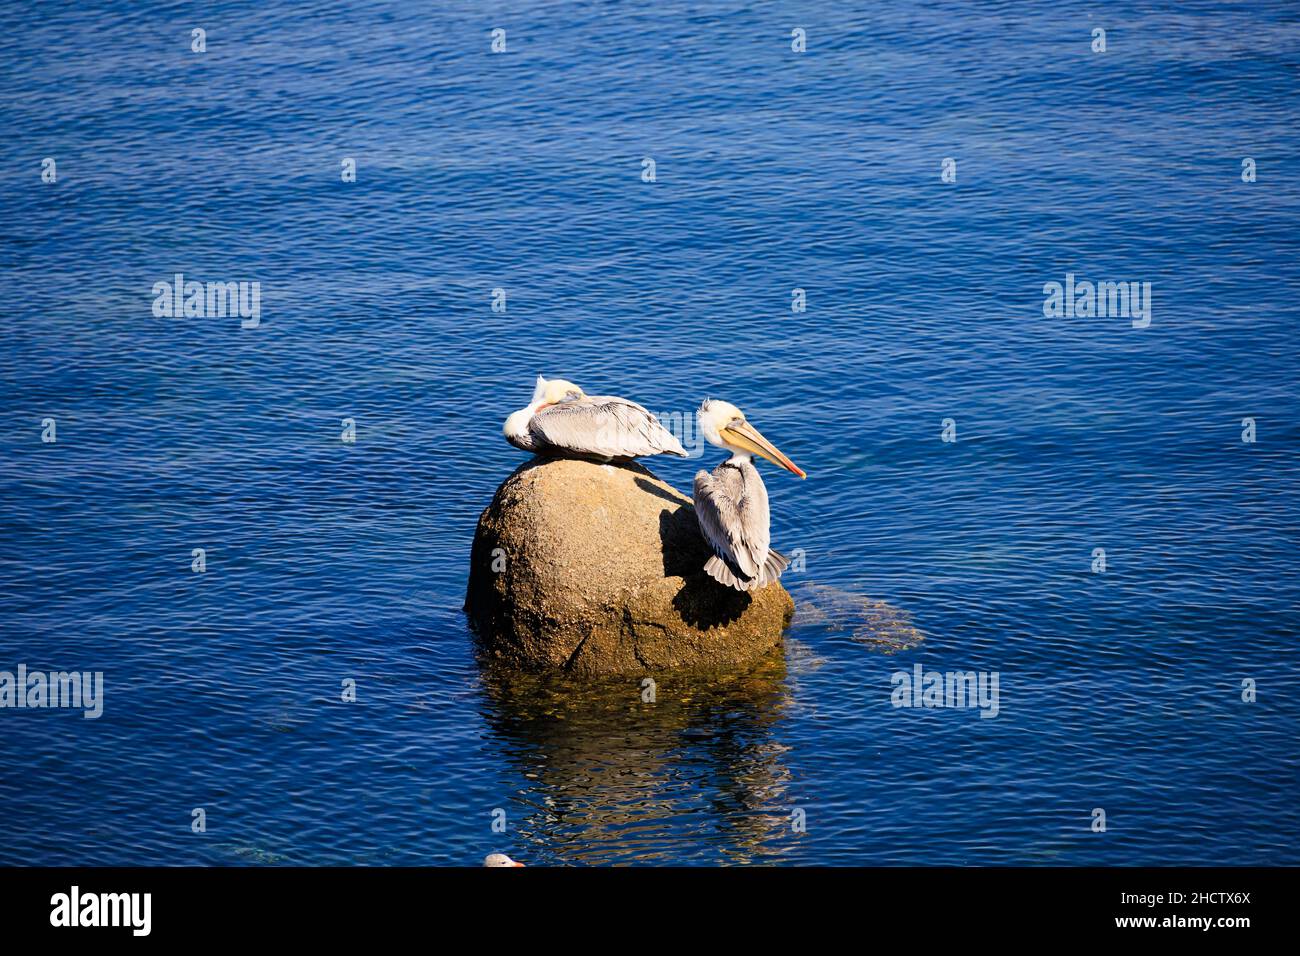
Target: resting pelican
(499,859)
(561,419)
(731,504)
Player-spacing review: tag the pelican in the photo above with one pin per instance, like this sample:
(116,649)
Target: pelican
(561,419)
(499,859)
(731,503)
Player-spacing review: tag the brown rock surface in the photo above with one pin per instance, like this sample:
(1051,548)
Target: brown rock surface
(599,569)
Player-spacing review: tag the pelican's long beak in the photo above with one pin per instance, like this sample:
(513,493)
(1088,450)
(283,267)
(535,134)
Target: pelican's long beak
(749,438)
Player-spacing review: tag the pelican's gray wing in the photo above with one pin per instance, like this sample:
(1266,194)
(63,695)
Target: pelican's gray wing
(603,426)
(731,507)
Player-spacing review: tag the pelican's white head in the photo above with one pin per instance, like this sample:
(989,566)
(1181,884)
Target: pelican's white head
(724,425)
(713,416)
(546,392)
(550,391)
(499,859)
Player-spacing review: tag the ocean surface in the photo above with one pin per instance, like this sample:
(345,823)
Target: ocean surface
(329,561)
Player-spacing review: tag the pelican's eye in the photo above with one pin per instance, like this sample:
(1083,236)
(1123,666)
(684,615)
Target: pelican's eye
(735,422)
(570,396)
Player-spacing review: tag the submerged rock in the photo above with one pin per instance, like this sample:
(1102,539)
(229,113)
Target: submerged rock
(866,620)
(599,569)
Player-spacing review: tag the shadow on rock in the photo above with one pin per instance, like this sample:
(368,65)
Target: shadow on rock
(702,602)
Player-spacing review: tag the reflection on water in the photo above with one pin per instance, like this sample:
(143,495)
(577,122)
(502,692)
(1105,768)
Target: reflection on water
(611,776)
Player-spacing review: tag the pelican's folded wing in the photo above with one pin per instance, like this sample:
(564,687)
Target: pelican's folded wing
(604,426)
(722,523)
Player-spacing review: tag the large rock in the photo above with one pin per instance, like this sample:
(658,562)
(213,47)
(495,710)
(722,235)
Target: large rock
(599,569)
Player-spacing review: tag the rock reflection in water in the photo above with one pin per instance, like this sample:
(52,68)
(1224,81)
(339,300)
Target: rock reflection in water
(608,777)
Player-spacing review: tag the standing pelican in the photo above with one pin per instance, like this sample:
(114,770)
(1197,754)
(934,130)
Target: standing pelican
(731,504)
(562,420)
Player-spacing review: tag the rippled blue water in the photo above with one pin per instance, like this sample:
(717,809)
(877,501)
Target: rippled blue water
(329,561)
